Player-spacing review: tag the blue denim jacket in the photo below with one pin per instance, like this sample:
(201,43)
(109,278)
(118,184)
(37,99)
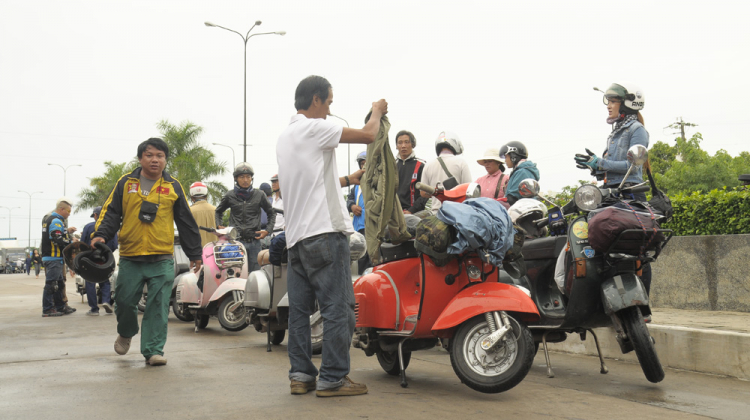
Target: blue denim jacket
(615,160)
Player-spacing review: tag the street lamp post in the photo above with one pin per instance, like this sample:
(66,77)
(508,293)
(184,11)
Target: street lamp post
(30,194)
(244,80)
(348,149)
(65,175)
(230,148)
(10,209)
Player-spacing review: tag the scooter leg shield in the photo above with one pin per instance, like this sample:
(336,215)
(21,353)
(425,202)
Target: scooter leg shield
(623,291)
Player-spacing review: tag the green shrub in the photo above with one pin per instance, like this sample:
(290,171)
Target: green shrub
(719,212)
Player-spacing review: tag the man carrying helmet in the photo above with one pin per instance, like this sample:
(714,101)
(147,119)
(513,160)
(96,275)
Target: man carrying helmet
(245,204)
(105,286)
(54,239)
(144,206)
(515,155)
(447,164)
(356,205)
(409,173)
(203,212)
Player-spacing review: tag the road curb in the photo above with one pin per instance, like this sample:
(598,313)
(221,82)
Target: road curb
(700,350)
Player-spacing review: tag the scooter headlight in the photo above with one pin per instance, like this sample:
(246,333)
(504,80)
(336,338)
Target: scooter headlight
(588,197)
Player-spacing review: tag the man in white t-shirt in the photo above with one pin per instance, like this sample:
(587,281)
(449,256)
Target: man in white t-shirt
(317,227)
(448,164)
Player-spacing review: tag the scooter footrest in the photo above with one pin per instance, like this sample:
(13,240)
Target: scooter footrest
(194,306)
(410,325)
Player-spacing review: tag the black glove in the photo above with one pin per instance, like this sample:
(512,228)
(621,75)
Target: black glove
(589,161)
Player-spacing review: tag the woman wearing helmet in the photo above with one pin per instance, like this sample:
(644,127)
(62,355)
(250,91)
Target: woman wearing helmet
(624,103)
(245,204)
(515,155)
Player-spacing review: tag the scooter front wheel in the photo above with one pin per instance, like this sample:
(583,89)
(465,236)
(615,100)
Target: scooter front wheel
(232,320)
(635,326)
(498,369)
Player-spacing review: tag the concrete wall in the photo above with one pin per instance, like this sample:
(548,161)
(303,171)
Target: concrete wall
(703,272)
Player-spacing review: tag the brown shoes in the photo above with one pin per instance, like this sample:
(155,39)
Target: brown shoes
(157,360)
(299,388)
(349,388)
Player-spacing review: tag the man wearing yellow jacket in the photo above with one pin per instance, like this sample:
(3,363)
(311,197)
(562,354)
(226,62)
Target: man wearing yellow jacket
(143,206)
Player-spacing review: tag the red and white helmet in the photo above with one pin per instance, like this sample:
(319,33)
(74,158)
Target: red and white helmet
(198,189)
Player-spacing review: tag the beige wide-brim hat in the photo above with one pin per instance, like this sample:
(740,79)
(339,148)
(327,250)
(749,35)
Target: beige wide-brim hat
(491,154)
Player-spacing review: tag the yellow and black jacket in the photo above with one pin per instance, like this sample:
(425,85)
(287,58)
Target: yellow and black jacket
(137,238)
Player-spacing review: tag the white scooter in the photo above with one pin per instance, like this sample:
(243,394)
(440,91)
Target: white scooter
(220,289)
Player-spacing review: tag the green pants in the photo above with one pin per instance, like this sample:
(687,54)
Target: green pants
(130,279)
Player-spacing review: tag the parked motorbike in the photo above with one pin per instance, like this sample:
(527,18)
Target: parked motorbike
(220,288)
(410,302)
(600,289)
(81,287)
(267,299)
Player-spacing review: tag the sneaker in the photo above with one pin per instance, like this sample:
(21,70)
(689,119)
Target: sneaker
(67,310)
(347,389)
(122,345)
(299,387)
(156,360)
(92,313)
(107,308)
(51,312)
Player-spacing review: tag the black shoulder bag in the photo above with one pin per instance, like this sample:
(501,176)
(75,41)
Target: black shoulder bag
(659,201)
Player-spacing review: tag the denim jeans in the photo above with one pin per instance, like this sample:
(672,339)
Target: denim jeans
(106,288)
(53,286)
(252,248)
(319,269)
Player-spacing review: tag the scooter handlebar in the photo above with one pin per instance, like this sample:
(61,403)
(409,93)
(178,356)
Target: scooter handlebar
(207,229)
(638,189)
(424,187)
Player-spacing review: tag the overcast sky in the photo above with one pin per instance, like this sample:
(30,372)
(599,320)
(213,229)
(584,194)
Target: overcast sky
(82,82)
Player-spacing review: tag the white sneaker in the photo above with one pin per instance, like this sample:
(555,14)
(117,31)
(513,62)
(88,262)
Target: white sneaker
(92,313)
(122,345)
(107,308)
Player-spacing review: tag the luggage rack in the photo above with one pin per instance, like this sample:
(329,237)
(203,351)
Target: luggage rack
(631,239)
(229,255)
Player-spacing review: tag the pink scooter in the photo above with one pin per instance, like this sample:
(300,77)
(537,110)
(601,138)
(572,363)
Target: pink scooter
(220,289)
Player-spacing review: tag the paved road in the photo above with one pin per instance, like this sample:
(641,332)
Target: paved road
(65,368)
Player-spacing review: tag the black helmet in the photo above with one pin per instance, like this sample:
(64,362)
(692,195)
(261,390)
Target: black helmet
(72,250)
(516,150)
(95,266)
(243,168)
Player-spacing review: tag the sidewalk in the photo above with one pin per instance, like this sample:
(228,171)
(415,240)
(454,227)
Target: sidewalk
(703,341)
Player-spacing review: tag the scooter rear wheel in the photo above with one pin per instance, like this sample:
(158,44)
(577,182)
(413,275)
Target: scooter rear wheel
(635,326)
(497,370)
(389,361)
(181,312)
(316,332)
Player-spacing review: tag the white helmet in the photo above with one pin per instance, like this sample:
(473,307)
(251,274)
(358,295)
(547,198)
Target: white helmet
(631,95)
(524,212)
(198,189)
(450,140)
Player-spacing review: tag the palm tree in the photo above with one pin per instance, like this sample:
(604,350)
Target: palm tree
(102,186)
(188,162)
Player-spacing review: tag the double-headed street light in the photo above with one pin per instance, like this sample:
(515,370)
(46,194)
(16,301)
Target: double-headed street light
(230,148)
(245,39)
(65,175)
(30,194)
(10,209)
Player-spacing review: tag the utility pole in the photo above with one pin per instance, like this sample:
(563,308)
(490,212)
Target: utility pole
(681,125)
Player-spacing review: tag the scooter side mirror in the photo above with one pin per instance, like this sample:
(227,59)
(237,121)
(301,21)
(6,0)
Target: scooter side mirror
(637,155)
(474,190)
(528,188)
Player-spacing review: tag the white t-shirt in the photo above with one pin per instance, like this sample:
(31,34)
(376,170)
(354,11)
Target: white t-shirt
(278,204)
(309,179)
(433,173)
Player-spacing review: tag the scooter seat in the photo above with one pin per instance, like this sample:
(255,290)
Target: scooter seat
(182,268)
(390,252)
(543,248)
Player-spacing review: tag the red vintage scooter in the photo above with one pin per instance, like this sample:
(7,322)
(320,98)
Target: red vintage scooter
(410,302)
